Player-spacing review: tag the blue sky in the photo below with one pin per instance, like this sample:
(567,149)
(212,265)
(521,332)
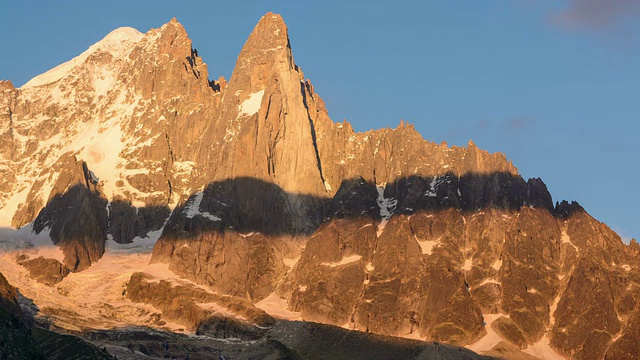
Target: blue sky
(555,85)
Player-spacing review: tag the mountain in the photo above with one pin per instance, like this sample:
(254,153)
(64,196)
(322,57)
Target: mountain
(154,197)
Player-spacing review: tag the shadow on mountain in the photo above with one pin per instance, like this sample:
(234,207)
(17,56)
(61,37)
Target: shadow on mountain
(222,337)
(21,339)
(126,222)
(284,340)
(81,216)
(77,221)
(248,205)
(80,220)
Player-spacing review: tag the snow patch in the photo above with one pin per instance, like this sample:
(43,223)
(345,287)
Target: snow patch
(138,245)
(491,339)
(427,246)
(433,186)
(102,154)
(566,239)
(252,104)
(327,187)
(290,263)
(467,264)
(216,308)
(277,307)
(103,81)
(192,208)
(345,260)
(489,281)
(8,211)
(552,310)
(497,264)
(387,207)
(542,350)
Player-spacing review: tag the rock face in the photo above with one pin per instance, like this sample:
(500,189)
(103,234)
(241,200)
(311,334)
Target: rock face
(77,219)
(16,341)
(258,193)
(46,271)
(19,339)
(199,310)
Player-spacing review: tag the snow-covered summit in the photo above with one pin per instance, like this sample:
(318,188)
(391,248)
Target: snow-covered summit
(118,43)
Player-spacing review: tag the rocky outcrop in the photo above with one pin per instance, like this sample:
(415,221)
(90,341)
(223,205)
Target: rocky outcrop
(127,222)
(16,341)
(77,220)
(198,309)
(44,270)
(318,341)
(444,266)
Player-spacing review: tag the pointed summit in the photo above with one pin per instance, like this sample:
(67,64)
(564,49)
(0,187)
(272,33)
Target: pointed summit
(268,103)
(269,34)
(267,45)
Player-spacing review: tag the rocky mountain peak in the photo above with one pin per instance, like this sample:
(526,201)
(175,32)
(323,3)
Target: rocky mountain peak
(266,48)
(171,34)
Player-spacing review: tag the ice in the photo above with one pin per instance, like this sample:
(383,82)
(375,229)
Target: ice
(92,298)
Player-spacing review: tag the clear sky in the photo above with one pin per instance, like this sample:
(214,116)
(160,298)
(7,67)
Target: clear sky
(555,85)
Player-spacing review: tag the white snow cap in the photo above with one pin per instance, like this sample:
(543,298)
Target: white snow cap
(116,42)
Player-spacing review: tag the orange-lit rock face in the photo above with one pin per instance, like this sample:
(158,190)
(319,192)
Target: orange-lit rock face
(259,195)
